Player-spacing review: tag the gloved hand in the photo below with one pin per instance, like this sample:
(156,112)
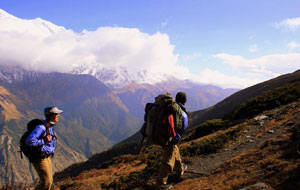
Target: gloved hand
(176,139)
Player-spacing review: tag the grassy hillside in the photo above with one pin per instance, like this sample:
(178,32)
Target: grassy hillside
(228,157)
(220,153)
(99,160)
(229,104)
(268,100)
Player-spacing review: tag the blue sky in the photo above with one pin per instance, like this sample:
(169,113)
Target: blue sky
(206,35)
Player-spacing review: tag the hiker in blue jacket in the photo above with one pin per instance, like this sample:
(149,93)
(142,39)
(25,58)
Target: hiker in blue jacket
(43,138)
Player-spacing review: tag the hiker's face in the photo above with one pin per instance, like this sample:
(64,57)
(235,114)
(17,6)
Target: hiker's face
(54,118)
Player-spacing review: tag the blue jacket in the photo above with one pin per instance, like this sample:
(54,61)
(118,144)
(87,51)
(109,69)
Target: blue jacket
(185,120)
(36,139)
(185,123)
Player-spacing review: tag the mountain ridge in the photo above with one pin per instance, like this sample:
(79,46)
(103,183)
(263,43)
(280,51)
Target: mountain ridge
(230,103)
(135,96)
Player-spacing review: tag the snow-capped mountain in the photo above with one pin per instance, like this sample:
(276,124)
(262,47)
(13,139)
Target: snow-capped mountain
(35,27)
(116,56)
(17,74)
(119,77)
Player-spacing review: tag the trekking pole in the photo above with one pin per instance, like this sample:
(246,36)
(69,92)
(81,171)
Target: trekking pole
(20,153)
(141,144)
(197,173)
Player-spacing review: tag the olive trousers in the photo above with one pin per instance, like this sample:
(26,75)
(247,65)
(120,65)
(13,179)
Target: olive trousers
(171,160)
(44,170)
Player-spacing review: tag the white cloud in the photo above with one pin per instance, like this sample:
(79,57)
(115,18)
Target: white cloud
(293,45)
(290,24)
(215,77)
(264,67)
(253,48)
(40,45)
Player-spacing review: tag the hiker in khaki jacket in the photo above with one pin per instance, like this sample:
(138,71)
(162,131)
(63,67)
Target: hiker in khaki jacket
(171,159)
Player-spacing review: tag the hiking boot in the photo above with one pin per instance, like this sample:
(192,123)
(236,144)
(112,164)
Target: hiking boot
(177,177)
(166,186)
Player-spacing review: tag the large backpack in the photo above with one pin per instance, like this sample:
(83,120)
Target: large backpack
(32,153)
(156,123)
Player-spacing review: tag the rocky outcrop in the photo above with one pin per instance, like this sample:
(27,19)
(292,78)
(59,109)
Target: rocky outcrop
(258,186)
(15,170)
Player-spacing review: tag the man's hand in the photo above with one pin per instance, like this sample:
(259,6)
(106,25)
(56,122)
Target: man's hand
(176,139)
(47,138)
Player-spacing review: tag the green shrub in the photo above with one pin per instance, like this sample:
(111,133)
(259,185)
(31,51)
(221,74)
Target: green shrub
(206,128)
(208,146)
(117,160)
(271,99)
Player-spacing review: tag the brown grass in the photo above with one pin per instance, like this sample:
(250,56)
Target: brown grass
(278,121)
(211,136)
(94,178)
(265,164)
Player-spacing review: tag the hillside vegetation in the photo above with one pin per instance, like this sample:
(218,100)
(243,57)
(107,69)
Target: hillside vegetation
(228,105)
(268,100)
(253,151)
(220,154)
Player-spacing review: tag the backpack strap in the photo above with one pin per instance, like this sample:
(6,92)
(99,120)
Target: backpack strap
(48,131)
(54,134)
(47,125)
(170,125)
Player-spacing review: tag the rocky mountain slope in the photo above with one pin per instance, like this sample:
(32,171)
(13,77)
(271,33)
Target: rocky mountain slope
(12,124)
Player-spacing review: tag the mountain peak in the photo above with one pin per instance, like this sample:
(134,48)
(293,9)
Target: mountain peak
(118,77)
(4,14)
(37,26)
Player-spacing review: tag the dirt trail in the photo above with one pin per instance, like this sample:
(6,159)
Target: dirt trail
(257,131)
